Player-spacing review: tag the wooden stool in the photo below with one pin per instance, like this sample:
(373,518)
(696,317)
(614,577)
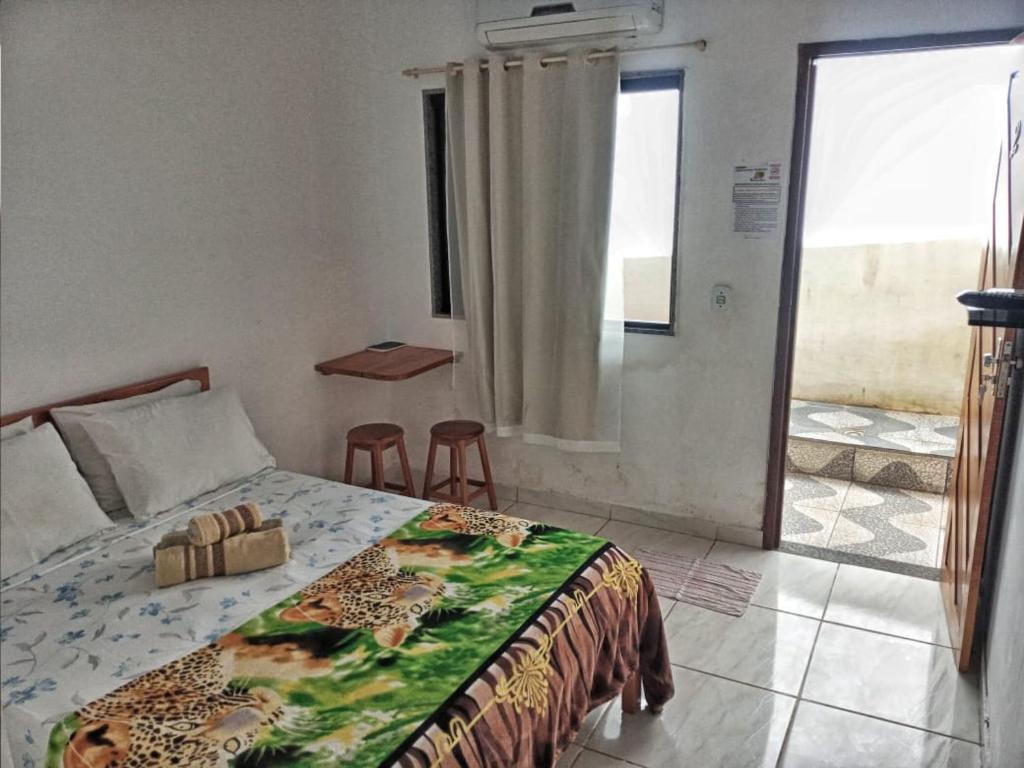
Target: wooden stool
(457,436)
(377,438)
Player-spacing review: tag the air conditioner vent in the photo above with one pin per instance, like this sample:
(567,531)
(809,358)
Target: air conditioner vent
(517,23)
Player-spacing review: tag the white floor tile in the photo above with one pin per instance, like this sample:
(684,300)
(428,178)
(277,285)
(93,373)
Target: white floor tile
(822,737)
(504,505)
(711,723)
(560,518)
(888,602)
(893,678)
(761,647)
(631,537)
(590,759)
(568,758)
(565,501)
(788,582)
(592,719)
(667,606)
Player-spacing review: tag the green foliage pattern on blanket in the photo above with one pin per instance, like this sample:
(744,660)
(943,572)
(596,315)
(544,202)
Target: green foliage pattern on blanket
(348,667)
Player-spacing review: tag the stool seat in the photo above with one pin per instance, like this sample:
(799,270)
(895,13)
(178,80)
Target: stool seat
(457,429)
(369,434)
(377,438)
(458,435)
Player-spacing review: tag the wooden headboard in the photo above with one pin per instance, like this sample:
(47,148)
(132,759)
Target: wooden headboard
(41,413)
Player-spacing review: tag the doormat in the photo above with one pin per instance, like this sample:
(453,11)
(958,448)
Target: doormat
(706,584)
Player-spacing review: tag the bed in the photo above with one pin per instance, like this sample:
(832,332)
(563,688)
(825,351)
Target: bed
(498,636)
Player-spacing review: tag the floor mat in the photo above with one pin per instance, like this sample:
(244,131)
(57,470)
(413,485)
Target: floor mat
(706,584)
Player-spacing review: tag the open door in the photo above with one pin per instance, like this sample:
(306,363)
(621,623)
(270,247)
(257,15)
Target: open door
(990,372)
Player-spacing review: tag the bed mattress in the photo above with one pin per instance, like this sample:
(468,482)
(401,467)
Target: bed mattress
(79,627)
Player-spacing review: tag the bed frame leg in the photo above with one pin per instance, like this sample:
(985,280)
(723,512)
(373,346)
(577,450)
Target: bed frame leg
(631,695)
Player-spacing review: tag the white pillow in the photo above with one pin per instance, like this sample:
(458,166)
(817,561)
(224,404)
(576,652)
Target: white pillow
(20,427)
(46,505)
(91,464)
(173,450)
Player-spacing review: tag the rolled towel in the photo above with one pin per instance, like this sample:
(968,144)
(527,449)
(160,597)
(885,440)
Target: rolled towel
(212,527)
(178,561)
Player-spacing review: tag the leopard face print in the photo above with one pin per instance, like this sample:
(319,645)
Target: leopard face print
(185,714)
(507,531)
(369,592)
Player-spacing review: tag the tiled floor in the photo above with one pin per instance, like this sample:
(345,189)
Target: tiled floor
(856,425)
(832,665)
(863,520)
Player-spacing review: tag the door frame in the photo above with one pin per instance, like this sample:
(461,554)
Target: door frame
(789,287)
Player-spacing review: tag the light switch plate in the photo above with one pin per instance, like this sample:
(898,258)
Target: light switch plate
(721,298)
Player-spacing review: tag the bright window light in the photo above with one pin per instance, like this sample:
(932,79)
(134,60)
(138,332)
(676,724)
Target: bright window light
(644,195)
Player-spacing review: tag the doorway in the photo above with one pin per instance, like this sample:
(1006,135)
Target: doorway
(895,153)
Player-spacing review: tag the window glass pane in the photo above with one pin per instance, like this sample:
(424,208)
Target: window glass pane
(644,200)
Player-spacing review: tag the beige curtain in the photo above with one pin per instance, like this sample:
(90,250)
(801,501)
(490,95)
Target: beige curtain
(530,171)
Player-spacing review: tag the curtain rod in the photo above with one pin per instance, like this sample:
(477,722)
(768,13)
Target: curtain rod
(700,45)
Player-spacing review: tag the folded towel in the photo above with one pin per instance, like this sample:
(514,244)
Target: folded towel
(177,560)
(212,527)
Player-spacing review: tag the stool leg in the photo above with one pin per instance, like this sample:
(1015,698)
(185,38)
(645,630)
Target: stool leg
(485,462)
(350,459)
(377,456)
(403,458)
(429,476)
(453,464)
(463,475)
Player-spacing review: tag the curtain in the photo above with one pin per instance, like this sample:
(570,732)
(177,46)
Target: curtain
(530,153)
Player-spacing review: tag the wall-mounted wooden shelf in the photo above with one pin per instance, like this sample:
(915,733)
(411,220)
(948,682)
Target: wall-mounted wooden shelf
(395,365)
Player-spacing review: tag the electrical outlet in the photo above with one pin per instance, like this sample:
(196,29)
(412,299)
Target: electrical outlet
(721,298)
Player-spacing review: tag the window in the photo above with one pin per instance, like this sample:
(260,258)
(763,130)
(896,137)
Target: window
(437,203)
(645,198)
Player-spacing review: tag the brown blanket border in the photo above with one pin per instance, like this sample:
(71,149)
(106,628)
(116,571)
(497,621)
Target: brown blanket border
(442,710)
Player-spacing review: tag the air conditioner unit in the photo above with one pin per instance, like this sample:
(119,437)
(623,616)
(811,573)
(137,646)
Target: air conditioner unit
(516,23)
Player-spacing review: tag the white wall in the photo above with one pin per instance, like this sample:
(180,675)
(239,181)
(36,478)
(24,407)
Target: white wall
(879,325)
(176,190)
(241,183)
(697,406)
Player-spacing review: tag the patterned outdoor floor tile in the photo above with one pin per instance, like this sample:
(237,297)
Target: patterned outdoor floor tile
(857,425)
(820,459)
(903,470)
(888,523)
(912,507)
(810,508)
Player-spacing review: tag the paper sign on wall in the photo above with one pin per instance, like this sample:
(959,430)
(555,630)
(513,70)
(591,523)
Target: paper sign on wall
(756,199)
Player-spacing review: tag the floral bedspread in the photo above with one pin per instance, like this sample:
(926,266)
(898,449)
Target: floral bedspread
(350,667)
(84,623)
(400,633)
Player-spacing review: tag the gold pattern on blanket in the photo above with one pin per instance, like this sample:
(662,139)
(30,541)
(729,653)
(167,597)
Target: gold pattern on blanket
(527,683)
(625,577)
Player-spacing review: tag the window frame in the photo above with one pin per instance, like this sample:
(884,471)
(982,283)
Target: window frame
(437,203)
(662,80)
(435,159)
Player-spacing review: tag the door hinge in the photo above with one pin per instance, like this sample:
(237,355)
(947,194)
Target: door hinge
(1006,363)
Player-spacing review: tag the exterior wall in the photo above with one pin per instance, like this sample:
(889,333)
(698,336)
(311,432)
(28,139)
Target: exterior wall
(878,325)
(647,286)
